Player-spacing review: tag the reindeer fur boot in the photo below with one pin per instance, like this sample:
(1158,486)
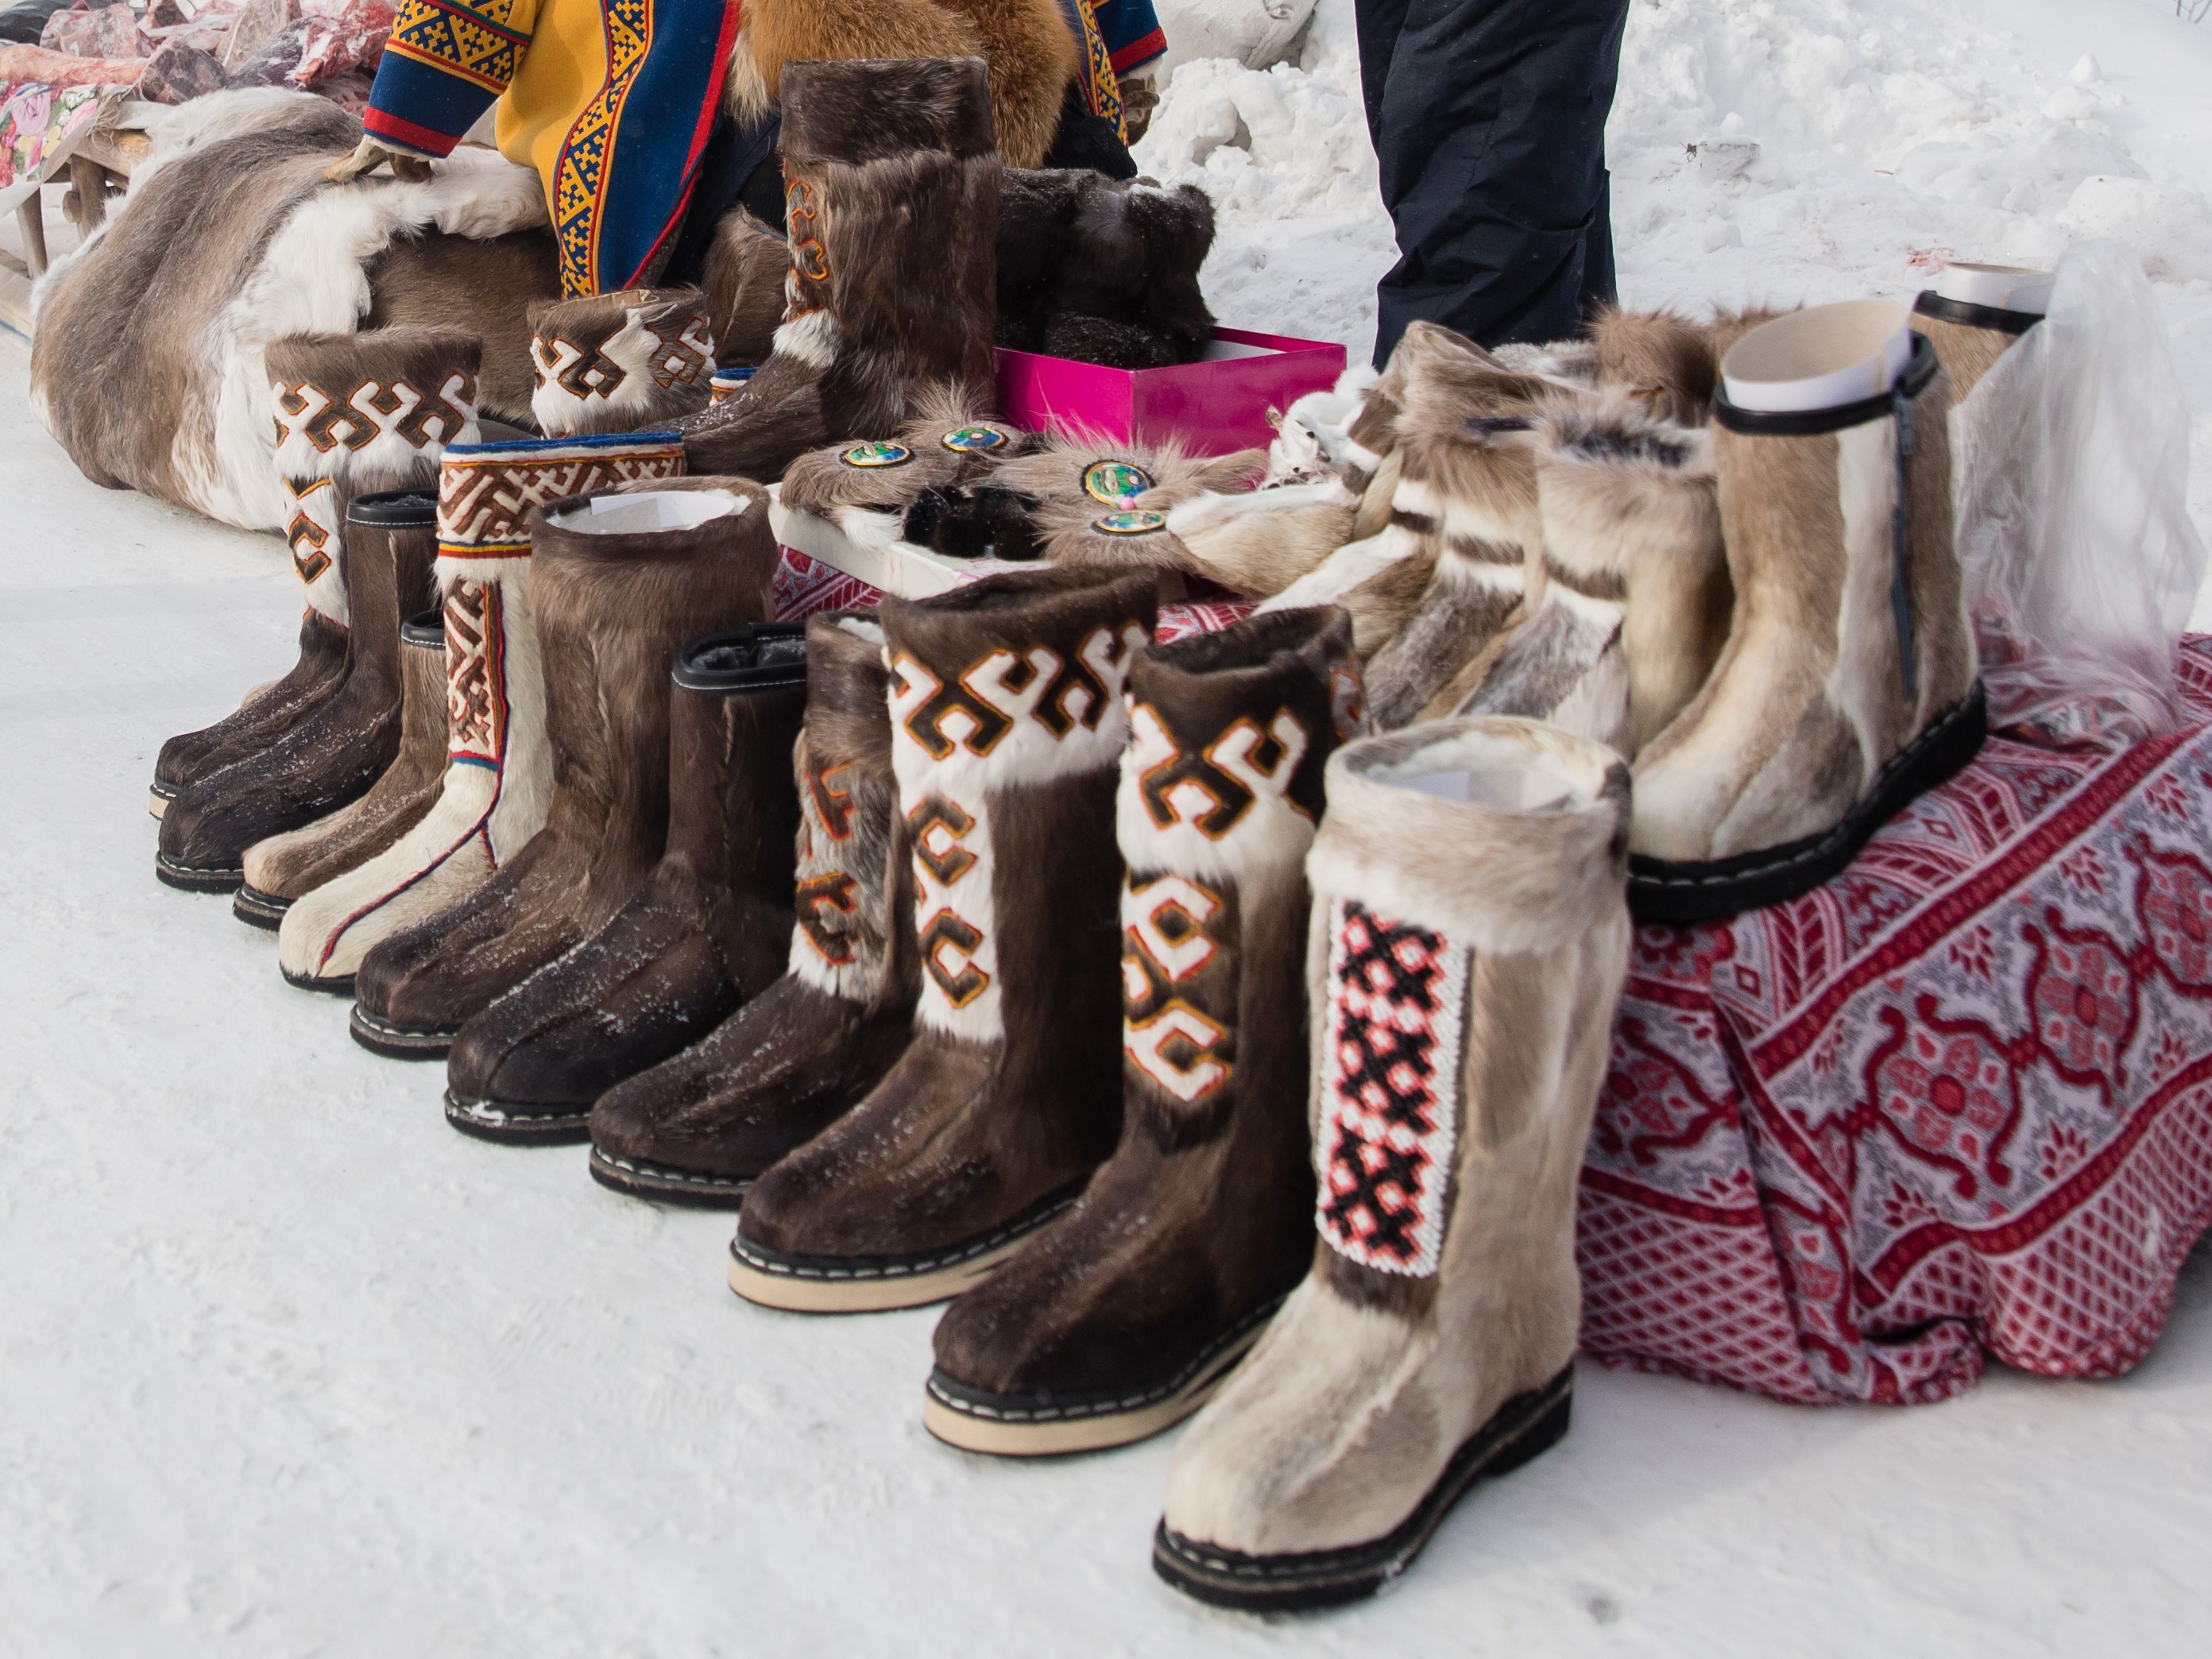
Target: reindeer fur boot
(1974,313)
(1636,599)
(700,1129)
(498,776)
(706,931)
(620,362)
(1125,1314)
(623,578)
(356,414)
(1006,725)
(1468,942)
(1847,685)
(891,204)
(286,867)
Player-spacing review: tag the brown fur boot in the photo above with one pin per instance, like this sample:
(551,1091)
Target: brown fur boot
(286,867)
(1636,599)
(746,263)
(889,168)
(620,362)
(355,414)
(1006,724)
(492,798)
(1125,1314)
(707,931)
(698,1129)
(1467,946)
(1848,682)
(621,580)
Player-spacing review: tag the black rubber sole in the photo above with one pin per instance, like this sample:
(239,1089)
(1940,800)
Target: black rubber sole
(510,1124)
(876,1283)
(381,1036)
(664,1185)
(338,985)
(195,879)
(1524,1426)
(258,910)
(1661,890)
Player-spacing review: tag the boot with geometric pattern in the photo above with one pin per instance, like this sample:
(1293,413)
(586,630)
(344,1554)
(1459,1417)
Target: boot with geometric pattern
(1122,1317)
(620,362)
(1469,937)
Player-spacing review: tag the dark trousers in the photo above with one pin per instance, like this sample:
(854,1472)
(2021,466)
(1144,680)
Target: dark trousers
(1488,117)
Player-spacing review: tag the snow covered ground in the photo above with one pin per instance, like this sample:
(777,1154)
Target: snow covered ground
(287,1367)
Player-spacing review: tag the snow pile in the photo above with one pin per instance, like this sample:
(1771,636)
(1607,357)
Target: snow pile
(1761,149)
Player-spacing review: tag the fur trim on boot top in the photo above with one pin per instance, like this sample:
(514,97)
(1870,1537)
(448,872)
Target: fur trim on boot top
(359,413)
(1007,726)
(890,168)
(623,578)
(698,1129)
(620,362)
(1125,1314)
(1636,599)
(286,867)
(498,775)
(1847,685)
(701,1126)
(706,931)
(350,421)
(1467,944)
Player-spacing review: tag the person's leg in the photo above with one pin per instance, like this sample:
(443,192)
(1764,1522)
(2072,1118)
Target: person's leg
(1378,23)
(1490,133)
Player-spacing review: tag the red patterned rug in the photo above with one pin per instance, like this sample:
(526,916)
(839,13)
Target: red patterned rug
(1957,1101)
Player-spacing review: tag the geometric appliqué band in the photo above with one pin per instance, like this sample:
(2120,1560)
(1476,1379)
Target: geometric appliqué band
(1389,1106)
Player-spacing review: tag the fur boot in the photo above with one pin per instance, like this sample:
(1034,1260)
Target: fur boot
(286,867)
(1108,272)
(706,931)
(1006,725)
(698,1129)
(1636,597)
(1468,945)
(499,776)
(359,413)
(622,579)
(1974,313)
(620,362)
(1121,1316)
(1848,682)
(746,264)
(417,390)
(890,168)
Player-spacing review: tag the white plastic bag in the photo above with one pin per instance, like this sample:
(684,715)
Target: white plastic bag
(2073,474)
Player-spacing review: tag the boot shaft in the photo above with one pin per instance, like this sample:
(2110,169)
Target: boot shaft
(882,158)
(854,935)
(735,703)
(1006,723)
(620,362)
(1221,792)
(390,551)
(357,414)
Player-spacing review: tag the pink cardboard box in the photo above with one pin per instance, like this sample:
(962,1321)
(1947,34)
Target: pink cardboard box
(1215,405)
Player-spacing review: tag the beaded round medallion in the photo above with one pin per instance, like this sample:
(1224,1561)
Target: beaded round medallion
(876,454)
(1130,524)
(1115,483)
(974,439)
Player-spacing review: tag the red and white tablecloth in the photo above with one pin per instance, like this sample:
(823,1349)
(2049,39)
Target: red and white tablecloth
(1957,1101)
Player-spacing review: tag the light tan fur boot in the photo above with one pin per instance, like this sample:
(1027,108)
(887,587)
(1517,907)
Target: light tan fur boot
(1848,682)
(1636,597)
(1468,940)
(1974,313)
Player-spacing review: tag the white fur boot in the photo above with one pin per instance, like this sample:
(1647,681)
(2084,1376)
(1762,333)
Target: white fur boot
(1468,940)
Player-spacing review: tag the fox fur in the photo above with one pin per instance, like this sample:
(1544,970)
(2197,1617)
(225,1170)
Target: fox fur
(1027,45)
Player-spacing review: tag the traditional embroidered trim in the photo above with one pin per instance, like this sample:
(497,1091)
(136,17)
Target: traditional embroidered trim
(313,526)
(577,189)
(1212,790)
(833,947)
(476,43)
(1389,1089)
(876,454)
(475,672)
(1130,524)
(486,492)
(806,286)
(1165,922)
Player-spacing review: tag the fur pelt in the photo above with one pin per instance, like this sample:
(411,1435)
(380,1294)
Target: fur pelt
(870,503)
(1077,529)
(492,282)
(1968,353)
(1807,700)
(620,362)
(743,278)
(146,361)
(1026,43)
(1519,883)
(1259,541)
